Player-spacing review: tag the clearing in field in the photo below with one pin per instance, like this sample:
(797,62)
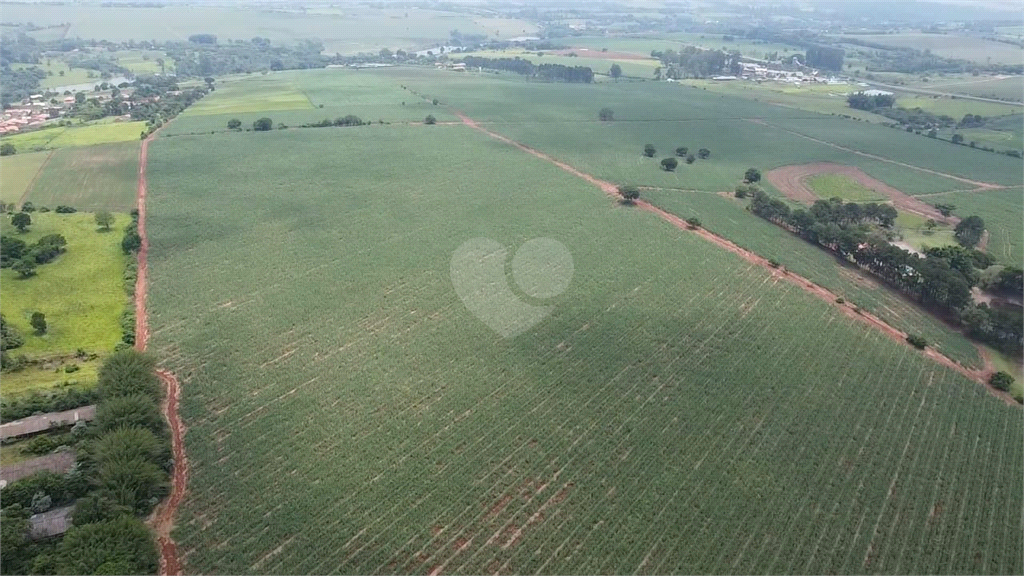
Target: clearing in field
(17,174)
(89,178)
(1001,210)
(917,235)
(838,185)
(327,362)
(87,318)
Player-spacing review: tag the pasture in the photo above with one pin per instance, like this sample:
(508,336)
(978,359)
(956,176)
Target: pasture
(81,135)
(999,87)
(17,173)
(913,230)
(341,399)
(87,317)
(954,46)
(827,186)
(59,73)
(90,178)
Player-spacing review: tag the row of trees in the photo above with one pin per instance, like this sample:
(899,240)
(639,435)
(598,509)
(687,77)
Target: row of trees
(547,72)
(862,101)
(694,62)
(124,459)
(942,279)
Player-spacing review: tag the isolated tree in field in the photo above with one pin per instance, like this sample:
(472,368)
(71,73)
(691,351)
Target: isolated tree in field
(690,159)
(7,149)
(629,194)
(1001,381)
(693,223)
(669,164)
(234,124)
(263,124)
(957,139)
(25,267)
(436,101)
(945,209)
(21,221)
(969,231)
(682,151)
(752,175)
(104,219)
(28,207)
(38,322)
(430,119)
(606,115)
(931,224)
(704,153)
(649,150)
(615,71)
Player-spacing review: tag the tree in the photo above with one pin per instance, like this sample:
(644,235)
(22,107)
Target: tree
(104,219)
(1001,381)
(26,266)
(669,164)
(80,98)
(14,531)
(917,341)
(28,207)
(7,149)
(752,175)
(263,124)
(615,71)
(21,221)
(606,115)
(690,159)
(931,224)
(682,151)
(385,54)
(693,223)
(135,411)
(123,545)
(969,231)
(430,119)
(128,372)
(435,101)
(704,153)
(39,322)
(649,150)
(234,124)
(629,194)
(945,209)
(957,139)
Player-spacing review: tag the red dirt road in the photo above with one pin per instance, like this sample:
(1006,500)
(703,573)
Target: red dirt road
(792,181)
(162,519)
(979,376)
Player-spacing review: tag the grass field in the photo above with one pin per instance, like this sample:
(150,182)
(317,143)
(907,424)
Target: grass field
(911,228)
(90,178)
(84,135)
(85,317)
(35,378)
(17,173)
(952,46)
(827,186)
(1001,210)
(54,78)
(956,108)
(1002,88)
(341,400)
(143,61)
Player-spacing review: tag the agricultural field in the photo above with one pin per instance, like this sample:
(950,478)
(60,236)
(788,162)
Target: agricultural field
(348,30)
(143,61)
(952,46)
(827,186)
(409,437)
(914,232)
(82,135)
(50,376)
(956,108)
(53,68)
(87,318)
(90,178)
(17,173)
(1001,210)
(595,60)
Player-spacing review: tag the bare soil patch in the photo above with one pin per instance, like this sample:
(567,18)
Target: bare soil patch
(792,181)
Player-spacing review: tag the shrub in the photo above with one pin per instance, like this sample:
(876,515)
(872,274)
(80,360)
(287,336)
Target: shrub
(669,164)
(137,410)
(650,150)
(840,300)
(693,223)
(123,545)
(234,124)
(629,193)
(430,119)
(774,263)
(1001,381)
(65,210)
(128,372)
(263,124)
(917,341)
(682,151)
(606,115)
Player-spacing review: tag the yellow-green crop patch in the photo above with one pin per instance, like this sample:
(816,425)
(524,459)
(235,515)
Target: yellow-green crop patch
(16,174)
(102,177)
(81,292)
(837,185)
(85,135)
(36,378)
(256,95)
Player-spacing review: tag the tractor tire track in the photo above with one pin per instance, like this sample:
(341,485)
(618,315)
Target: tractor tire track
(980,375)
(162,519)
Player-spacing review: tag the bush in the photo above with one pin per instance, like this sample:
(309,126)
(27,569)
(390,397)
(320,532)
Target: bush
(61,488)
(669,164)
(123,545)
(128,372)
(774,263)
(96,508)
(263,124)
(682,151)
(430,119)
(693,223)
(137,410)
(840,300)
(1001,381)
(606,115)
(436,101)
(234,124)
(917,341)
(65,210)
(650,150)
(629,193)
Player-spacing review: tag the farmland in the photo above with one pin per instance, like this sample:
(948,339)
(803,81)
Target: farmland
(91,178)
(1001,210)
(827,186)
(18,172)
(328,364)
(952,46)
(86,318)
(83,135)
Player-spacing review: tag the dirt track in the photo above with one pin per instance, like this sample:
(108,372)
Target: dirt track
(979,376)
(162,519)
(792,181)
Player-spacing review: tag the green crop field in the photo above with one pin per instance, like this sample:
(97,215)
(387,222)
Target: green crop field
(86,317)
(827,186)
(952,46)
(90,178)
(1000,87)
(54,78)
(17,173)
(340,398)
(728,218)
(1001,210)
(143,61)
(956,108)
(83,135)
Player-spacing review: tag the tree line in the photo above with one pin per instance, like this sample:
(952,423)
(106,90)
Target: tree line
(547,72)
(941,279)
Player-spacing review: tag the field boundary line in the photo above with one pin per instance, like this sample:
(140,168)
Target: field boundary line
(32,182)
(162,519)
(977,375)
(978,185)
